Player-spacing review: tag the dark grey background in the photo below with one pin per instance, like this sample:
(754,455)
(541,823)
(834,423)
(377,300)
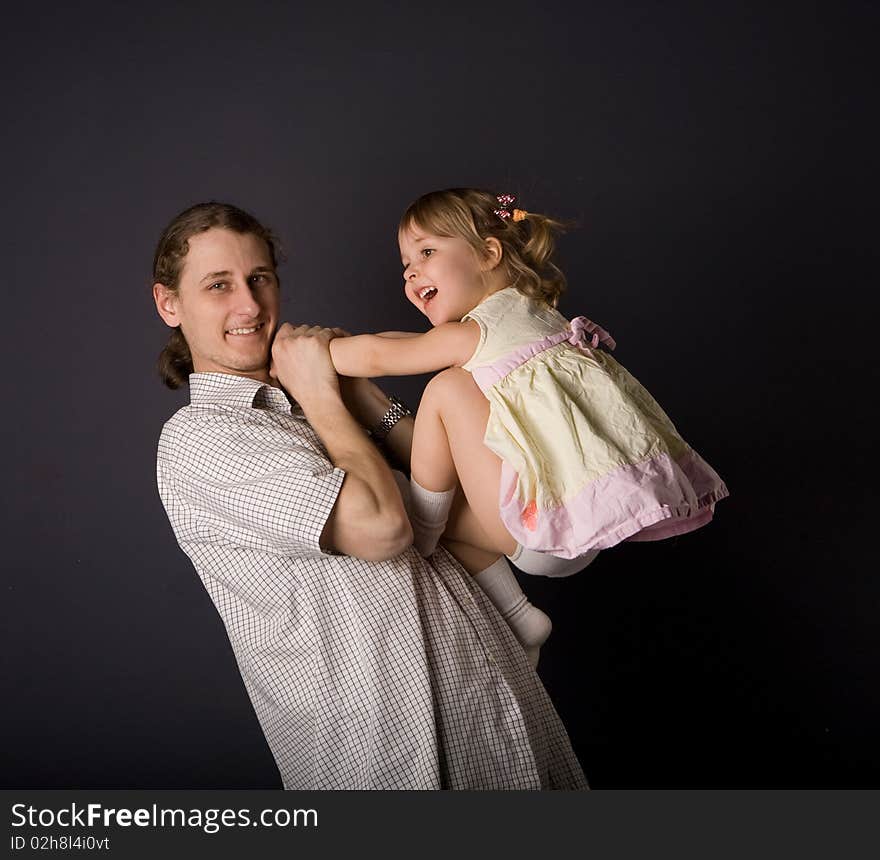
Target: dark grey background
(719,163)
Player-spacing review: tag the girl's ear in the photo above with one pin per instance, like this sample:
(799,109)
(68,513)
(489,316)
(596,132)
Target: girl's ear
(166,304)
(493,253)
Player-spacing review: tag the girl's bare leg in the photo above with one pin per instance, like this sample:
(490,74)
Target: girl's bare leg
(448,448)
(471,558)
(452,419)
(448,456)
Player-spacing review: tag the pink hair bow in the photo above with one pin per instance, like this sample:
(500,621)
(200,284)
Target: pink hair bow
(585,331)
(505,201)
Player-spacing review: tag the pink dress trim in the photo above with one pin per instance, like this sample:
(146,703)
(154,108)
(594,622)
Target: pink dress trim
(489,374)
(652,500)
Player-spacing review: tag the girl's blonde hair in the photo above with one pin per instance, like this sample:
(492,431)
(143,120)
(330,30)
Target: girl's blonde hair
(527,242)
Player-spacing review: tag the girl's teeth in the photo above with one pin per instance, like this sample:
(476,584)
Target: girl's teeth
(243,330)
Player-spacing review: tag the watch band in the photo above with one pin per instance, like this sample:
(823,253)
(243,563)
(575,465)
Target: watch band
(395,412)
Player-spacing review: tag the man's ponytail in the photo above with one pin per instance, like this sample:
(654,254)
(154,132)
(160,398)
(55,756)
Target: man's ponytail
(175,362)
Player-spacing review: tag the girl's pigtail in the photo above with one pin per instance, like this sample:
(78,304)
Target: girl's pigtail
(175,361)
(537,253)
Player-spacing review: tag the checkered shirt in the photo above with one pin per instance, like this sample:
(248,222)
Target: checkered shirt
(396,674)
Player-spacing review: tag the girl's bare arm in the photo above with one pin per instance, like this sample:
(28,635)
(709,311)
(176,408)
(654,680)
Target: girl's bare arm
(446,345)
(397,333)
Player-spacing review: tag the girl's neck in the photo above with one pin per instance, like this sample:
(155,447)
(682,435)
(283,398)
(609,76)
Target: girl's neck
(495,282)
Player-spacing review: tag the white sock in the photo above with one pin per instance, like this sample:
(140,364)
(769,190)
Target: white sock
(530,626)
(544,564)
(428,514)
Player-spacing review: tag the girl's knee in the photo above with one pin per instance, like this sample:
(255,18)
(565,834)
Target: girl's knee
(450,386)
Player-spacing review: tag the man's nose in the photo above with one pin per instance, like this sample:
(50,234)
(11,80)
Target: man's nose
(246,302)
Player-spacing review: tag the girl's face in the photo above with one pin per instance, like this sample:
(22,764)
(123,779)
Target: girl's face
(443,276)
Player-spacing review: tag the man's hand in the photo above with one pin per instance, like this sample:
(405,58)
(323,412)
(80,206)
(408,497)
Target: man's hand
(301,362)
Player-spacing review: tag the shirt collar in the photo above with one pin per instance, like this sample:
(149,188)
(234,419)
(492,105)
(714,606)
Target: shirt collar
(231,390)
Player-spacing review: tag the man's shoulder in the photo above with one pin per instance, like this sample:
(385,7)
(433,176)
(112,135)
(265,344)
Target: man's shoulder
(196,425)
(175,432)
(205,431)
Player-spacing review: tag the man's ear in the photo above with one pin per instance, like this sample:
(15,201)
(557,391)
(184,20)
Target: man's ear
(493,253)
(166,304)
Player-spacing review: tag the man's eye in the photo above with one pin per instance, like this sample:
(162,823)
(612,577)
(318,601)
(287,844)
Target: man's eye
(258,279)
(219,285)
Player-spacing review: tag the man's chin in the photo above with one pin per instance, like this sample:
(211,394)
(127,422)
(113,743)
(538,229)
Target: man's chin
(254,359)
(252,368)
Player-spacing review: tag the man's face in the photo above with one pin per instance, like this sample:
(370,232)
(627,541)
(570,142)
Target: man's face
(227,303)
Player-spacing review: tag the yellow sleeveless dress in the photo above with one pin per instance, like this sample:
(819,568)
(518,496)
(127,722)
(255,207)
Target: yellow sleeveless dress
(589,457)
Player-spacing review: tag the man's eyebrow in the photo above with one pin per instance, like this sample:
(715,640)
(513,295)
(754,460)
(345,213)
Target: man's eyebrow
(226,274)
(216,275)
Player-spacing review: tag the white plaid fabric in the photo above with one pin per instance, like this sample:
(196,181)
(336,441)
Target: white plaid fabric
(363,675)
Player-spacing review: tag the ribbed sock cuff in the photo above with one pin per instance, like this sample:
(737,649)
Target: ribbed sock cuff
(428,514)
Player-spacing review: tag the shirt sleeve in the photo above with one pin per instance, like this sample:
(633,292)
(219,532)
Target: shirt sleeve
(246,481)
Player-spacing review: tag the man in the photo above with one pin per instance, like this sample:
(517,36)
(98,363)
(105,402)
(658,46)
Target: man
(368,666)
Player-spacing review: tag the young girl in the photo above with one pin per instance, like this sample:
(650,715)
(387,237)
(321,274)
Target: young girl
(560,452)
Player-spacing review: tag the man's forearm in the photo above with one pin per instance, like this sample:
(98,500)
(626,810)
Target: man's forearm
(368,403)
(348,447)
(369,520)
(399,441)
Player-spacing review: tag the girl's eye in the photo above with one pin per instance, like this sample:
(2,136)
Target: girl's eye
(427,252)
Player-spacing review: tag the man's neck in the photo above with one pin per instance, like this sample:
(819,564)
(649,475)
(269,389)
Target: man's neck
(261,375)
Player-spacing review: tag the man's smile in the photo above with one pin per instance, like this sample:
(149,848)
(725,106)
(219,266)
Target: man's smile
(244,331)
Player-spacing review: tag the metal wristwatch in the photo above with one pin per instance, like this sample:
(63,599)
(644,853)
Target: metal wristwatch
(395,412)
